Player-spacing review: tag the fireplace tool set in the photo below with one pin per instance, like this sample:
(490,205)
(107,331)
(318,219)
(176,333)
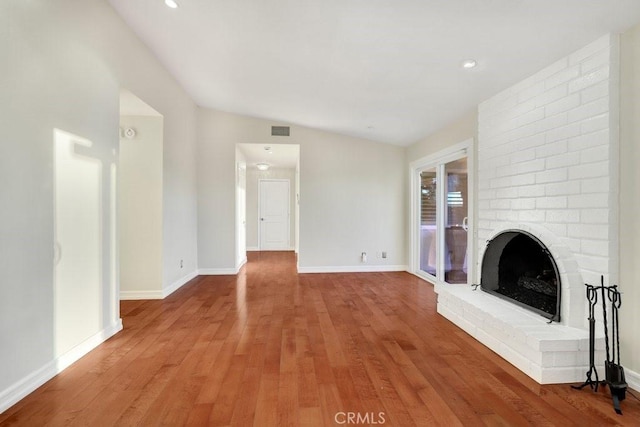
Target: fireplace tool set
(614,372)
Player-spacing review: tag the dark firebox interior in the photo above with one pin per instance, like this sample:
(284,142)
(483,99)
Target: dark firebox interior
(518,267)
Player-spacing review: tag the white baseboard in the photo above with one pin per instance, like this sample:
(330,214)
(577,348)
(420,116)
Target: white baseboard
(257,249)
(633,379)
(135,295)
(160,294)
(217,271)
(31,382)
(70,357)
(28,384)
(179,283)
(353,269)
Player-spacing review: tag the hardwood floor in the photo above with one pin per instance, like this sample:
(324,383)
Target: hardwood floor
(273,348)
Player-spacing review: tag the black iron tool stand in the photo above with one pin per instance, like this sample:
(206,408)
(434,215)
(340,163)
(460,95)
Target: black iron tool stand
(614,372)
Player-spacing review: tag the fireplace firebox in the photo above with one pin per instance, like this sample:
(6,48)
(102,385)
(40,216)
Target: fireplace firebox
(518,267)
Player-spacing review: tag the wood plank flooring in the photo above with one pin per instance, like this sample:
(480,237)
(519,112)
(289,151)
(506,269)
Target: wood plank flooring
(273,348)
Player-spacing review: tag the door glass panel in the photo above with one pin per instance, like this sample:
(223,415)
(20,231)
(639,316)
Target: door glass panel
(428,213)
(455,223)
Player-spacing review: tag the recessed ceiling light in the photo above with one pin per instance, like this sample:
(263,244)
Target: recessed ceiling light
(469,63)
(171,3)
(262,166)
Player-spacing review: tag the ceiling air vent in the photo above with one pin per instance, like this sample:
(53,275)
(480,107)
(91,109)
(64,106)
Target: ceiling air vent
(279,130)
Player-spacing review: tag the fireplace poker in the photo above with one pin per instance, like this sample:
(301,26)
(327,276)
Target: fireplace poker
(592,297)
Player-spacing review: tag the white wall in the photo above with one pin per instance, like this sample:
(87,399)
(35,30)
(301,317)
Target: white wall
(351,200)
(253,176)
(64,64)
(463,129)
(140,208)
(630,200)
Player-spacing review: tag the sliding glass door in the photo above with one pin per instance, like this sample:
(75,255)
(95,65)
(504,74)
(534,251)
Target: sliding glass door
(455,225)
(443,204)
(428,221)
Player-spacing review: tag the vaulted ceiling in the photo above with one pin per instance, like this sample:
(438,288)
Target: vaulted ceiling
(385,70)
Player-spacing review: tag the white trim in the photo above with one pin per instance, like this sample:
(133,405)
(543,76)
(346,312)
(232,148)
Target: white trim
(178,284)
(287,249)
(73,355)
(445,155)
(633,379)
(217,271)
(353,269)
(281,249)
(162,294)
(20,389)
(137,295)
(257,249)
(241,264)
(441,215)
(28,384)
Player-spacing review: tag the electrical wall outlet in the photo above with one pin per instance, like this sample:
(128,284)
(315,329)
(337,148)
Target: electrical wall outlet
(384,254)
(363,257)
(181,263)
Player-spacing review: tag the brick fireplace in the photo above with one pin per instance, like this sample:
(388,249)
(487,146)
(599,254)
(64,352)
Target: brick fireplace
(547,165)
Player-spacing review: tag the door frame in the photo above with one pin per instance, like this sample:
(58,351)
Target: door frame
(260,181)
(241,213)
(438,161)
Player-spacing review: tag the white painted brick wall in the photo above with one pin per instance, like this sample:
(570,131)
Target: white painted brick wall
(545,152)
(547,159)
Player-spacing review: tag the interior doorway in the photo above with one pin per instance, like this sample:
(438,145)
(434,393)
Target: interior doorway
(139,201)
(268,163)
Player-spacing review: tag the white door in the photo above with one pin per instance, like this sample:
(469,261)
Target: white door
(274,202)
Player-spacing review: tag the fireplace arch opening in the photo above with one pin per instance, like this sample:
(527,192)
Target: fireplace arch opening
(518,267)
